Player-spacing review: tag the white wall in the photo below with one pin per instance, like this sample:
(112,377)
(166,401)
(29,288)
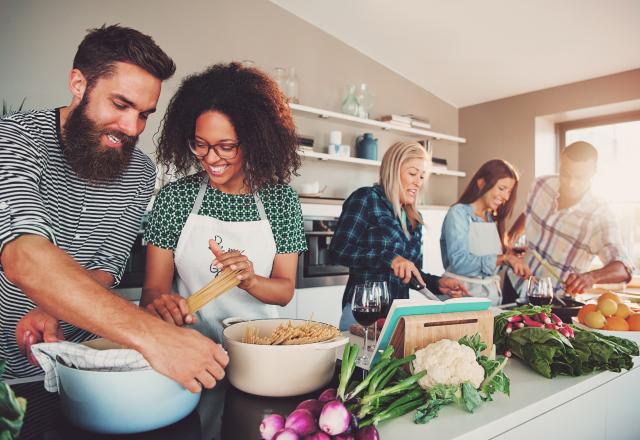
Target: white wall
(38,40)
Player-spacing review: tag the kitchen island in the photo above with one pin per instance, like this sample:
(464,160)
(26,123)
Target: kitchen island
(597,406)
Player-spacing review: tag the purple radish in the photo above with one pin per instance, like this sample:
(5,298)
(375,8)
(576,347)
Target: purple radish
(368,433)
(334,418)
(271,424)
(312,405)
(343,436)
(317,436)
(286,434)
(327,395)
(301,421)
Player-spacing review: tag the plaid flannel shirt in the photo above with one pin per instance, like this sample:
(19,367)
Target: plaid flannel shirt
(369,236)
(568,239)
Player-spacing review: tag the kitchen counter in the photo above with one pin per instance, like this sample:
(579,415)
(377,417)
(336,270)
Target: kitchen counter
(596,406)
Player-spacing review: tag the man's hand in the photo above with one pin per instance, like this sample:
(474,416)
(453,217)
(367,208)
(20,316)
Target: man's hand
(34,327)
(518,265)
(403,269)
(452,287)
(172,308)
(578,282)
(186,356)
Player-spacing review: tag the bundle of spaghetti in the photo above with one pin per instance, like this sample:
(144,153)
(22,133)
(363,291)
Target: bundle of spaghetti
(216,287)
(287,334)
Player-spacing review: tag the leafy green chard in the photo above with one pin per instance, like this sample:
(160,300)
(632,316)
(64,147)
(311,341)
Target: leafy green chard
(550,353)
(12,410)
(465,395)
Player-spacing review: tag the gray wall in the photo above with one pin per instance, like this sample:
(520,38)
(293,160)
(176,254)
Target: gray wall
(38,40)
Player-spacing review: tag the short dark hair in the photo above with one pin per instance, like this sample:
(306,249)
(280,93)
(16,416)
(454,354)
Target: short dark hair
(255,106)
(581,151)
(106,45)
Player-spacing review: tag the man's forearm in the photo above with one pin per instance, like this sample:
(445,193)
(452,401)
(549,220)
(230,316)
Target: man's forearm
(614,272)
(64,289)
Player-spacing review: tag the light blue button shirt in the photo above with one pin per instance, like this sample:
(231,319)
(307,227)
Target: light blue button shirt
(454,244)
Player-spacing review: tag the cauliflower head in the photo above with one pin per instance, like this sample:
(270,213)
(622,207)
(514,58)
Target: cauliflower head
(448,363)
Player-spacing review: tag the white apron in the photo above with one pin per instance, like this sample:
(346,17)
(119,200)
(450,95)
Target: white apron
(483,240)
(194,269)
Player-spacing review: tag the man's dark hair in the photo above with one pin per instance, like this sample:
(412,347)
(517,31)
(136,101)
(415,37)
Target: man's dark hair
(255,106)
(580,152)
(106,45)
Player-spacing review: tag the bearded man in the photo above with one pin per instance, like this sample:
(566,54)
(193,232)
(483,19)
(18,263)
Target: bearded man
(73,188)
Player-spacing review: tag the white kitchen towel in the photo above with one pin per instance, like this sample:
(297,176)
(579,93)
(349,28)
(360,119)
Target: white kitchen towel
(85,358)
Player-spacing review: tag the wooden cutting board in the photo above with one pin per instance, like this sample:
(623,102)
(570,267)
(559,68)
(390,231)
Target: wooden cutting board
(415,332)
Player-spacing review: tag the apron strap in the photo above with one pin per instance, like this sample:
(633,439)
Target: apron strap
(201,192)
(260,206)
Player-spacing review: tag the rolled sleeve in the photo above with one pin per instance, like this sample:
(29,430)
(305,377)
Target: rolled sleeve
(607,241)
(21,206)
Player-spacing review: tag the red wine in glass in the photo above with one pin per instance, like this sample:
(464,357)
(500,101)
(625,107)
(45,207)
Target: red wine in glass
(519,250)
(366,315)
(538,300)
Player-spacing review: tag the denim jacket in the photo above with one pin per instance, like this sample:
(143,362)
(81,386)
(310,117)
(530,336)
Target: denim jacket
(454,244)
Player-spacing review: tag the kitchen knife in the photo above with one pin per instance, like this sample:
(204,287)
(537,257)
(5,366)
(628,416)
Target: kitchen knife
(415,285)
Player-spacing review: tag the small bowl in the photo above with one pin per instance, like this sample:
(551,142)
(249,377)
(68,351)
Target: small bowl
(122,402)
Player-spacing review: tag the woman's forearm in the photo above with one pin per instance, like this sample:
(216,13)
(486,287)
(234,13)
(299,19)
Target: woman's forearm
(278,291)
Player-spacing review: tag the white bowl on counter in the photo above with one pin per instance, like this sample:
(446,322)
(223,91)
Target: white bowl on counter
(278,370)
(121,402)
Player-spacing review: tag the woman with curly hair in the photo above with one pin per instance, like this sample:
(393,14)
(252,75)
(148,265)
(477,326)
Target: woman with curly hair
(233,125)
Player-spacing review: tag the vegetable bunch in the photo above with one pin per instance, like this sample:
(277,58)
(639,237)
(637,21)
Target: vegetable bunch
(353,409)
(12,410)
(563,349)
(465,395)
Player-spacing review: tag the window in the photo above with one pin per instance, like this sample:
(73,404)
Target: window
(617,139)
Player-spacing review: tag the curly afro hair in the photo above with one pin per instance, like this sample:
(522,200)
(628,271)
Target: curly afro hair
(258,111)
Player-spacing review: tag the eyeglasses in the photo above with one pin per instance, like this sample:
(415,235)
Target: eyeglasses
(224,150)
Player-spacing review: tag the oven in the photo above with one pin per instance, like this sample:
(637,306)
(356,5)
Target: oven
(316,266)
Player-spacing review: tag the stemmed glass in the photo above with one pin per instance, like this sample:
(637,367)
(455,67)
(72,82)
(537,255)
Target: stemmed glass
(539,291)
(385,305)
(366,310)
(520,246)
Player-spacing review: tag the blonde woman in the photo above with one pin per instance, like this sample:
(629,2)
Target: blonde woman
(379,234)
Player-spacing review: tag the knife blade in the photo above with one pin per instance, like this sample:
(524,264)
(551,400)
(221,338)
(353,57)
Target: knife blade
(415,285)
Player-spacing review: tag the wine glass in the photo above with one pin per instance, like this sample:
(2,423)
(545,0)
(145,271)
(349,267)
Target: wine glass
(385,304)
(366,309)
(539,291)
(520,246)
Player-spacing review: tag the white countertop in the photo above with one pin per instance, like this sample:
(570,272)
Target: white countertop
(531,396)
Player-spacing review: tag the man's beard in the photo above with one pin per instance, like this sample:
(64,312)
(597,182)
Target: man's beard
(85,153)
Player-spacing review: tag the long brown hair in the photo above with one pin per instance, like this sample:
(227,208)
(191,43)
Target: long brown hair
(491,172)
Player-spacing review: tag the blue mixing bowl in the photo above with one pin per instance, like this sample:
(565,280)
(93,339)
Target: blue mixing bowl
(114,402)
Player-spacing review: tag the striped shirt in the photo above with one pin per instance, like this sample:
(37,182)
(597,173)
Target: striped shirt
(40,194)
(568,239)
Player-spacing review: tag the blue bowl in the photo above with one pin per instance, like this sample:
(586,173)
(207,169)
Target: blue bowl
(114,402)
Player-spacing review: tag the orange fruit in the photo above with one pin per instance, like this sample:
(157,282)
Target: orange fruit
(634,322)
(584,310)
(595,319)
(607,306)
(609,295)
(623,311)
(616,324)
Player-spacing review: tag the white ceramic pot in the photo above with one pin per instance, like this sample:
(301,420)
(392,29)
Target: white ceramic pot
(278,370)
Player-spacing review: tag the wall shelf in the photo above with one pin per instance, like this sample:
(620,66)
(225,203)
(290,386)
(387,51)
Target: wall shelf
(372,163)
(416,132)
